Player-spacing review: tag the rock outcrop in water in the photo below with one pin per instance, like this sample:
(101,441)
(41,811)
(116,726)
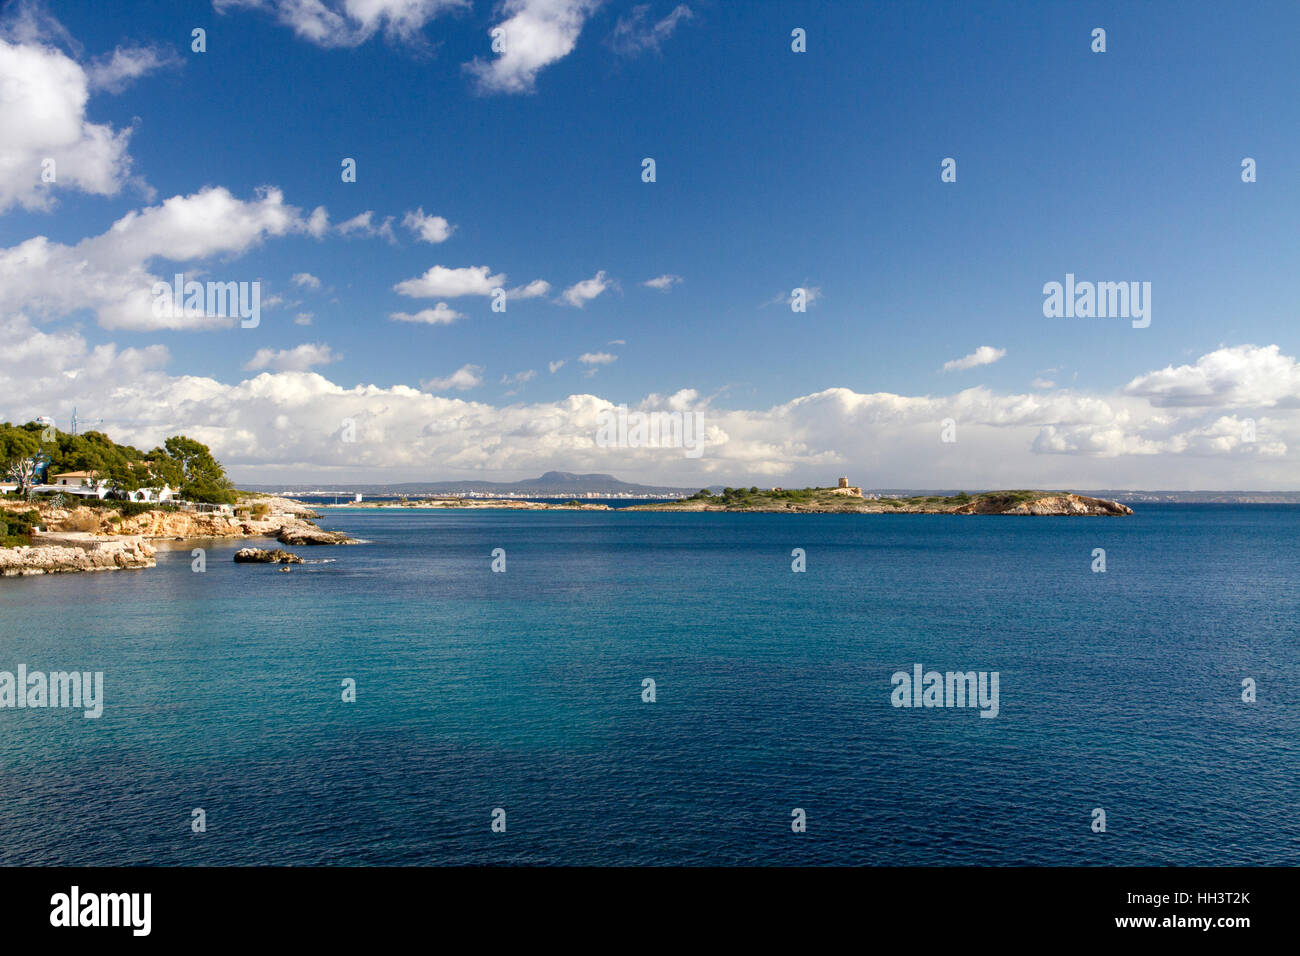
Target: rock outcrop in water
(304,533)
(266,556)
(77,553)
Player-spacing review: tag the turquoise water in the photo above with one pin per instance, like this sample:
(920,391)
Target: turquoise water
(522,690)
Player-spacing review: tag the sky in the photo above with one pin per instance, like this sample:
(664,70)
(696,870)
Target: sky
(377,354)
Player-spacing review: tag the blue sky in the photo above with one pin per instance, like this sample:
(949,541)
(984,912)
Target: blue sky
(775,169)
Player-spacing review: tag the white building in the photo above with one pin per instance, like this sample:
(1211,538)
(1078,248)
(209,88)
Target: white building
(83,484)
(88,484)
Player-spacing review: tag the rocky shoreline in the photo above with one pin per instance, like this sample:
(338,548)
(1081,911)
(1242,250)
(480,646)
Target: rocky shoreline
(84,538)
(77,553)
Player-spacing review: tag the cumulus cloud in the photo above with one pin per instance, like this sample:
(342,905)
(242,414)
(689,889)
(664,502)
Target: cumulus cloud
(349,23)
(283,426)
(635,33)
(109,273)
(555,366)
(519,378)
(43,95)
(465,377)
(318,223)
(431,229)
(441,282)
(534,289)
(597,358)
(298,359)
(115,72)
(440,314)
(535,34)
(1241,376)
(984,355)
(362,225)
(663,283)
(580,293)
(303,318)
(306,280)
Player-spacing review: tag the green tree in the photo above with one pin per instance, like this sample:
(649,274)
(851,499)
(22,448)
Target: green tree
(18,450)
(201,476)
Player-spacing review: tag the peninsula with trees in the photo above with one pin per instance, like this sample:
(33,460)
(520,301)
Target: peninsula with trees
(82,502)
(848,499)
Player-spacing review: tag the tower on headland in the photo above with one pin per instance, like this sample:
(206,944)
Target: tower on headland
(846,489)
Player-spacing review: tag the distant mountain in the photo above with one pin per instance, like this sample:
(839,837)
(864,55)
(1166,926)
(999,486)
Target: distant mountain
(553,484)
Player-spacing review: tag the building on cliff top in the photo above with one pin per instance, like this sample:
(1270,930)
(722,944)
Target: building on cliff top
(852,491)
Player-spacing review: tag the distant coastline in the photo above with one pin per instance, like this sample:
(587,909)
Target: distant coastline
(851,500)
(842,500)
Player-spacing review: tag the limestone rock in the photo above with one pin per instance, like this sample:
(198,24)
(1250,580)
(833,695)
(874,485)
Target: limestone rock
(304,533)
(82,555)
(265,556)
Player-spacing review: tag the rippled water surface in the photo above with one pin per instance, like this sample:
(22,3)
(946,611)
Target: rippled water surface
(523,690)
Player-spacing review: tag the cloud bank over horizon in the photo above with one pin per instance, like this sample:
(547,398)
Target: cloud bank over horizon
(287,425)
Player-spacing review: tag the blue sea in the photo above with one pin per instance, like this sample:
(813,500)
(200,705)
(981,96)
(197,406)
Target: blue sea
(522,690)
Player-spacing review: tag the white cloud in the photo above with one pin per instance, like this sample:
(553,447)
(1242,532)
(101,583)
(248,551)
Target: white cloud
(43,96)
(361,225)
(441,282)
(534,289)
(318,223)
(115,73)
(519,378)
(535,34)
(984,355)
(465,377)
(580,293)
(1241,376)
(109,273)
(663,283)
(1043,383)
(283,426)
(635,34)
(306,280)
(349,23)
(597,358)
(555,366)
(303,318)
(298,359)
(440,314)
(432,229)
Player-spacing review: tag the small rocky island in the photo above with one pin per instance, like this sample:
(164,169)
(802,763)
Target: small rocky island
(266,556)
(847,499)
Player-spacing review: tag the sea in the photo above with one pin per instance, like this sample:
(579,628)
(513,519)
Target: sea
(640,688)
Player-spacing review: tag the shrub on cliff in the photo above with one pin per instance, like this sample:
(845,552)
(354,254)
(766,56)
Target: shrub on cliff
(16,528)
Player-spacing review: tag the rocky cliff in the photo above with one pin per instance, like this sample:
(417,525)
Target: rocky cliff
(1058,504)
(77,553)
